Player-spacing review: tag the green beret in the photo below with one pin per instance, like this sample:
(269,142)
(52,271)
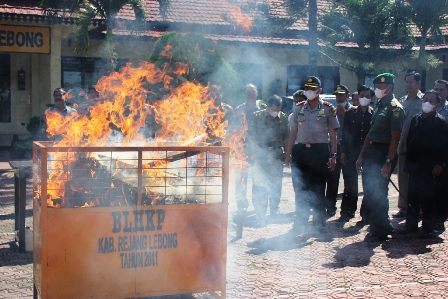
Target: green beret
(384,78)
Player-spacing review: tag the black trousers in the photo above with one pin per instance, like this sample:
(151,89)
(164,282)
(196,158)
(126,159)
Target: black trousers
(441,202)
(309,177)
(422,194)
(333,184)
(376,202)
(349,202)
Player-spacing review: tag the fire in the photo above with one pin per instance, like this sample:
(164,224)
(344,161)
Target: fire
(186,116)
(237,16)
(235,139)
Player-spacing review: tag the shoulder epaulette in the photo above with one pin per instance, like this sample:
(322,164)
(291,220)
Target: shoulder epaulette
(328,104)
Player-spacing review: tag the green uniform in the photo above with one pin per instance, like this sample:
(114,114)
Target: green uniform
(242,116)
(387,117)
(268,135)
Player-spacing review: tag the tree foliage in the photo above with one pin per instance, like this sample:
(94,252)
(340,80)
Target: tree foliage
(376,27)
(206,65)
(428,18)
(86,11)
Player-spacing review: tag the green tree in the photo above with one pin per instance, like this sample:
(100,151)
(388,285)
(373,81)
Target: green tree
(374,27)
(86,12)
(205,64)
(299,9)
(428,17)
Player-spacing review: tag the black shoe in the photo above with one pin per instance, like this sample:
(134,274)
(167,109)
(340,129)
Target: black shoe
(439,227)
(344,218)
(407,231)
(361,223)
(390,230)
(375,238)
(331,212)
(298,229)
(322,229)
(399,215)
(427,234)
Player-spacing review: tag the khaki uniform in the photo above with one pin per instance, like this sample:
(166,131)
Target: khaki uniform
(309,159)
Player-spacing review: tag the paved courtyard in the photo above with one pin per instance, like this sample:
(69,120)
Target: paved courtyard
(273,262)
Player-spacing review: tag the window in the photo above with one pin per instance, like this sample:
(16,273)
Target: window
(445,74)
(84,72)
(296,74)
(5,94)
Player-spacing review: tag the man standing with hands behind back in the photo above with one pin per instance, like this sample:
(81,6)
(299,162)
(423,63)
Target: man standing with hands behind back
(378,156)
(412,104)
(311,152)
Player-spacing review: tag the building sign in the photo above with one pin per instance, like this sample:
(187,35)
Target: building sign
(25,39)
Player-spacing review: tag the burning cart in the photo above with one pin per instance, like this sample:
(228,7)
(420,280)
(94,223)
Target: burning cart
(129,222)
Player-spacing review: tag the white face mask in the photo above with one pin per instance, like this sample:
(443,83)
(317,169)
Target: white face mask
(364,101)
(273,113)
(379,93)
(427,107)
(310,94)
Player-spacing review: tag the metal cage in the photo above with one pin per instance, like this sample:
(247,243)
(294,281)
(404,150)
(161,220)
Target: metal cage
(129,222)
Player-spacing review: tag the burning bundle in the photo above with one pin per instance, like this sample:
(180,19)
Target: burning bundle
(120,117)
(96,180)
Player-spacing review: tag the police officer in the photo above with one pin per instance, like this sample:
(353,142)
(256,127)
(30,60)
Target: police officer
(269,133)
(313,129)
(342,94)
(356,126)
(378,156)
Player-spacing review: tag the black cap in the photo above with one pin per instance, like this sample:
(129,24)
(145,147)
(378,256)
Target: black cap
(312,81)
(341,89)
(299,93)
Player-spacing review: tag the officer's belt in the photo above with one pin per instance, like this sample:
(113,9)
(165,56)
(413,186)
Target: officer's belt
(378,143)
(310,145)
(273,148)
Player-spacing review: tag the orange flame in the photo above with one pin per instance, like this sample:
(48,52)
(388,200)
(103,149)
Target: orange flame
(187,116)
(238,17)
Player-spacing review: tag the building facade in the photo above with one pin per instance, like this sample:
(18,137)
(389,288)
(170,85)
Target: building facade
(36,57)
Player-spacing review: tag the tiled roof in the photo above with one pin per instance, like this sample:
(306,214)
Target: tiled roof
(216,12)
(223,37)
(24,7)
(212,13)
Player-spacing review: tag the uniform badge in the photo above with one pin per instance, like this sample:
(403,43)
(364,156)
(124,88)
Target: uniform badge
(383,79)
(321,112)
(396,114)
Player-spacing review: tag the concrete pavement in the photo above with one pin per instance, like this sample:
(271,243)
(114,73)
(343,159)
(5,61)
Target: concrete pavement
(272,262)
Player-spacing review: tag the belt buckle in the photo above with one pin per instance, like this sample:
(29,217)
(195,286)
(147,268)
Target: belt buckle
(308,145)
